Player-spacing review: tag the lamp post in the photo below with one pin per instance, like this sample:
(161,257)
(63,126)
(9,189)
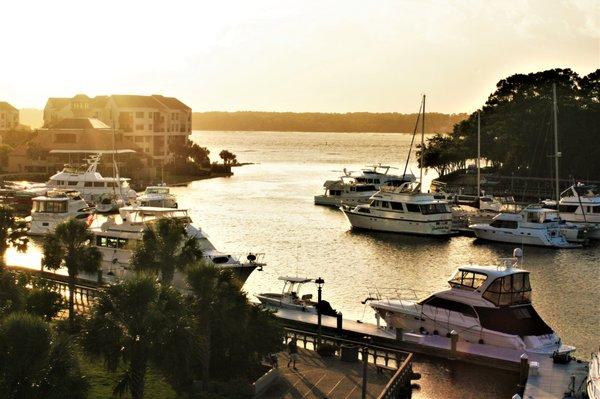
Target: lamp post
(365,359)
(319,282)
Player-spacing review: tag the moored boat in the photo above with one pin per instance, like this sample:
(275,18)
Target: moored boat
(290,298)
(55,207)
(345,191)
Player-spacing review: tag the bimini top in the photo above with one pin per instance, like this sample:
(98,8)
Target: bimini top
(300,280)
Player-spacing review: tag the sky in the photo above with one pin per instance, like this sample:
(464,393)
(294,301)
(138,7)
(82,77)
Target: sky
(280,55)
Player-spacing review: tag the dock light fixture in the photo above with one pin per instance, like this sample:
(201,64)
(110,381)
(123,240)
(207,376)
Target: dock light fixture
(319,282)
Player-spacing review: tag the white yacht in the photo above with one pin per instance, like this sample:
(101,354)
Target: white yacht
(379,175)
(489,305)
(345,191)
(109,203)
(116,239)
(580,205)
(402,209)
(534,225)
(159,196)
(55,207)
(89,182)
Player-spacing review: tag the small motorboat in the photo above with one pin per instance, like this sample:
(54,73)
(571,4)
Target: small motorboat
(289,298)
(109,203)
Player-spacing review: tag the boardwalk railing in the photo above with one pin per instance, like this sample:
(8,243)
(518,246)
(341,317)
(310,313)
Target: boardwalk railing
(399,384)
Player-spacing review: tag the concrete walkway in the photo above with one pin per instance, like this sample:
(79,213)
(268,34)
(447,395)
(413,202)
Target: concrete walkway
(320,378)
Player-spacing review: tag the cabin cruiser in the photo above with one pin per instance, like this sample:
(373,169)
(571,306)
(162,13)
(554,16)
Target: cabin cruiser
(379,176)
(402,209)
(289,298)
(345,191)
(109,203)
(580,205)
(90,183)
(159,196)
(117,238)
(20,195)
(534,225)
(55,207)
(489,305)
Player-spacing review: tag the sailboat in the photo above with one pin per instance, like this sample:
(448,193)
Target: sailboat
(112,202)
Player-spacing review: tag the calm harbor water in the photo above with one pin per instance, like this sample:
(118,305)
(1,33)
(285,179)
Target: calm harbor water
(268,207)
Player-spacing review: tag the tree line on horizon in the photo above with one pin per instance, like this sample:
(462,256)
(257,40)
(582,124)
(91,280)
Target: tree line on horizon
(517,129)
(323,122)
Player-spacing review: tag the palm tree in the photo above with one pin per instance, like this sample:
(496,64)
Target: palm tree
(12,232)
(70,243)
(131,324)
(165,248)
(36,364)
(217,295)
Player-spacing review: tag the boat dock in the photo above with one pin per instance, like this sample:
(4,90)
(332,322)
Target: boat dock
(541,378)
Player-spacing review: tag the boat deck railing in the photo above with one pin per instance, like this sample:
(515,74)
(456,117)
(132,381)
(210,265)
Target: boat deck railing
(399,294)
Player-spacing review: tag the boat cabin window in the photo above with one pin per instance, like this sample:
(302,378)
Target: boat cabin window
(447,304)
(504,224)
(413,208)
(467,280)
(111,242)
(72,183)
(375,203)
(50,206)
(88,184)
(397,206)
(376,181)
(509,290)
(98,184)
(335,192)
(567,208)
(111,184)
(433,209)
(365,188)
(385,204)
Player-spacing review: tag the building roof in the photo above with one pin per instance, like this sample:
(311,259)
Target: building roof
(135,101)
(79,123)
(58,102)
(171,102)
(4,106)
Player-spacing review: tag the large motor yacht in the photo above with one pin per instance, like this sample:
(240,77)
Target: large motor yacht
(580,205)
(489,305)
(379,175)
(90,183)
(159,196)
(55,207)
(402,209)
(345,191)
(116,238)
(534,225)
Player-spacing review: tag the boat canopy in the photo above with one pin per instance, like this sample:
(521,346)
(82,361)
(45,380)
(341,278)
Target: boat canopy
(295,280)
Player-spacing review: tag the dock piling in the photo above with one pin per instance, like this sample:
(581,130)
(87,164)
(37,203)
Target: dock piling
(453,342)
(523,373)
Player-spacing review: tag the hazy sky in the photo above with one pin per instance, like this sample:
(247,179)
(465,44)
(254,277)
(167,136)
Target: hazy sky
(331,56)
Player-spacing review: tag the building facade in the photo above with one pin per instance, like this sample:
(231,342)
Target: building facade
(151,122)
(9,117)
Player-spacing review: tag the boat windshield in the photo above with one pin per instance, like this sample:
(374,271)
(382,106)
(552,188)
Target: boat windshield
(50,206)
(467,280)
(157,190)
(513,289)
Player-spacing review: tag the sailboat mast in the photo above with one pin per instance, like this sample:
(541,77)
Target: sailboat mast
(478,153)
(422,145)
(557,154)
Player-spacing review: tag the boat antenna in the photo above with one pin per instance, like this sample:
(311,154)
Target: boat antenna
(413,139)
(422,146)
(115,167)
(478,153)
(557,153)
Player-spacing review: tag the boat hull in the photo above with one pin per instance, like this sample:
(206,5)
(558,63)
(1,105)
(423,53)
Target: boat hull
(484,232)
(336,202)
(366,221)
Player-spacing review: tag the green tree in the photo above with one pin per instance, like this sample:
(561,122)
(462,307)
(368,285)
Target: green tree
(70,243)
(131,325)
(13,232)
(36,364)
(165,248)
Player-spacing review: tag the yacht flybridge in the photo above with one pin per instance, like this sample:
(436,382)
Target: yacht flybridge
(489,305)
(117,238)
(89,182)
(157,196)
(346,190)
(379,175)
(580,205)
(534,225)
(402,209)
(55,207)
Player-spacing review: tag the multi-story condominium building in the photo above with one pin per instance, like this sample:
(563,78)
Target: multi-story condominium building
(152,122)
(9,116)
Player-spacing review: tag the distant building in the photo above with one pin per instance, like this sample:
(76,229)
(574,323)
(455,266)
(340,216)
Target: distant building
(149,121)
(9,116)
(73,139)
